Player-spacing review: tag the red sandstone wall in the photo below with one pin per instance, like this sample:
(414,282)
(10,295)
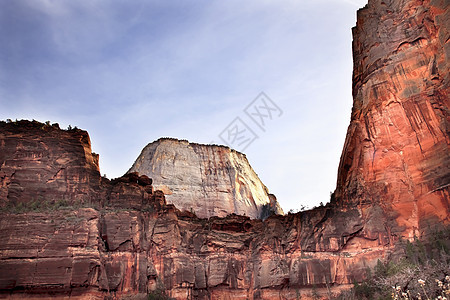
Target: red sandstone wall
(397,148)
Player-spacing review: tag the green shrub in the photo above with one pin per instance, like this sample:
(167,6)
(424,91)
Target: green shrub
(42,205)
(364,290)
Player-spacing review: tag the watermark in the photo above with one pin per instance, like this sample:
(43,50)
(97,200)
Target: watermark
(238,134)
(262,110)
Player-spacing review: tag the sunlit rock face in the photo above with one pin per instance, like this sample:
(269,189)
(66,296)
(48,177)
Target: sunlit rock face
(208,180)
(397,148)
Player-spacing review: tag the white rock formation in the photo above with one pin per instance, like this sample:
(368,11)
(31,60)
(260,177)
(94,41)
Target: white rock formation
(209,180)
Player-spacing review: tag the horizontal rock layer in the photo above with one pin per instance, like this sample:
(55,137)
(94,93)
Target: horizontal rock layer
(114,252)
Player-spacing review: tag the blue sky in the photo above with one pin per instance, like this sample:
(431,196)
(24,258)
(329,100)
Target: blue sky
(130,72)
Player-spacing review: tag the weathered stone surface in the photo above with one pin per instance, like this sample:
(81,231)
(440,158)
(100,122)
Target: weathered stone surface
(119,252)
(206,179)
(133,191)
(39,162)
(393,182)
(396,152)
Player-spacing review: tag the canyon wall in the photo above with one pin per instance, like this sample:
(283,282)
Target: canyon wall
(208,180)
(127,240)
(396,152)
(110,253)
(112,239)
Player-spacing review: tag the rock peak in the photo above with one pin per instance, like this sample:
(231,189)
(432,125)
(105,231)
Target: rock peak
(210,180)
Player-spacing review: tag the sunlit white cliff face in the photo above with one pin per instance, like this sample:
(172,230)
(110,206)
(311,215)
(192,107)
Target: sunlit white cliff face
(209,180)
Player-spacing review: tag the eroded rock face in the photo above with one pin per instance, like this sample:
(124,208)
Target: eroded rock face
(393,182)
(39,162)
(111,252)
(397,148)
(130,241)
(206,179)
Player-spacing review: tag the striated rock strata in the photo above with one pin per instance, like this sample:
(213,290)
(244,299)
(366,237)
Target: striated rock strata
(392,183)
(111,253)
(209,180)
(396,153)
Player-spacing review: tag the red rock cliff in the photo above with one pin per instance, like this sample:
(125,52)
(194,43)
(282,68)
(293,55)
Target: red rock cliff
(393,182)
(396,152)
(40,162)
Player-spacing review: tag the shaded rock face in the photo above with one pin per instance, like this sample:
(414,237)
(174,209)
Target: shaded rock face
(396,151)
(208,180)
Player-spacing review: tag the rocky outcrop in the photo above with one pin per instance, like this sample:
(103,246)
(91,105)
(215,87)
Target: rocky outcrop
(208,180)
(392,183)
(40,162)
(42,166)
(396,152)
